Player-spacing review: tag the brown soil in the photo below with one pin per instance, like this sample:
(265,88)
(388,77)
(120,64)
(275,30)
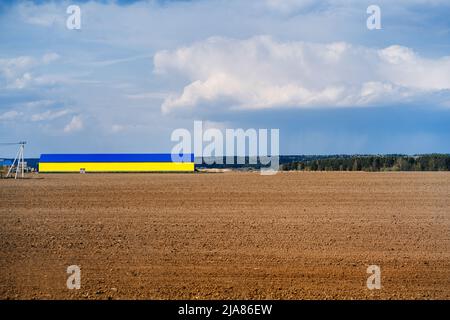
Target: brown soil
(294,235)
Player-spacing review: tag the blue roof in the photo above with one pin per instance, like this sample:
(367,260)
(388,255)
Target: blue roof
(6,162)
(118,157)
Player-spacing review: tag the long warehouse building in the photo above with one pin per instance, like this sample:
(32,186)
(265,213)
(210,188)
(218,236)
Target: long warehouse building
(143,162)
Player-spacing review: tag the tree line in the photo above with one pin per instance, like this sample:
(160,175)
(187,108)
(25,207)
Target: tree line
(429,162)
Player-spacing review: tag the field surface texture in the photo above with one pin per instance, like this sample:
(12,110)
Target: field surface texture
(294,235)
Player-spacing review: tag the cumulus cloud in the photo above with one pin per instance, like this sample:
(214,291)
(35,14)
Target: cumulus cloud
(76,124)
(10,68)
(17,71)
(404,67)
(261,73)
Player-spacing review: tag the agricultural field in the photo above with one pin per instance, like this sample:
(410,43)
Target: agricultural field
(232,235)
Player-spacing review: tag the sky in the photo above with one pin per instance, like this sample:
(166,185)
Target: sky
(138,70)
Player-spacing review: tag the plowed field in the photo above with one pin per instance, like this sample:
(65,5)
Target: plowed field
(294,235)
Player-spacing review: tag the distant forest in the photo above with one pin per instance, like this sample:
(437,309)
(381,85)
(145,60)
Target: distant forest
(391,162)
(429,162)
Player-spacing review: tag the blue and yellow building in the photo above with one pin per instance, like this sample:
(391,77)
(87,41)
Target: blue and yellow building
(136,162)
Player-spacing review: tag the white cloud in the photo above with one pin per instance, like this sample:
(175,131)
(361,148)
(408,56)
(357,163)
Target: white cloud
(405,68)
(10,115)
(49,115)
(20,82)
(76,124)
(17,71)
(260,73)
(50,57)
(39,103)
(10,68)
(42,15)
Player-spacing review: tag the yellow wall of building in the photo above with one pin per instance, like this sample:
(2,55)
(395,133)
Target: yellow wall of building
(115,166)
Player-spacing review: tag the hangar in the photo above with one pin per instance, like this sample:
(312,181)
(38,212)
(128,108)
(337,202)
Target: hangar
(136,162)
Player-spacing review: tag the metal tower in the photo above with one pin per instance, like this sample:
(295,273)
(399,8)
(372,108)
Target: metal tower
(18,164)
